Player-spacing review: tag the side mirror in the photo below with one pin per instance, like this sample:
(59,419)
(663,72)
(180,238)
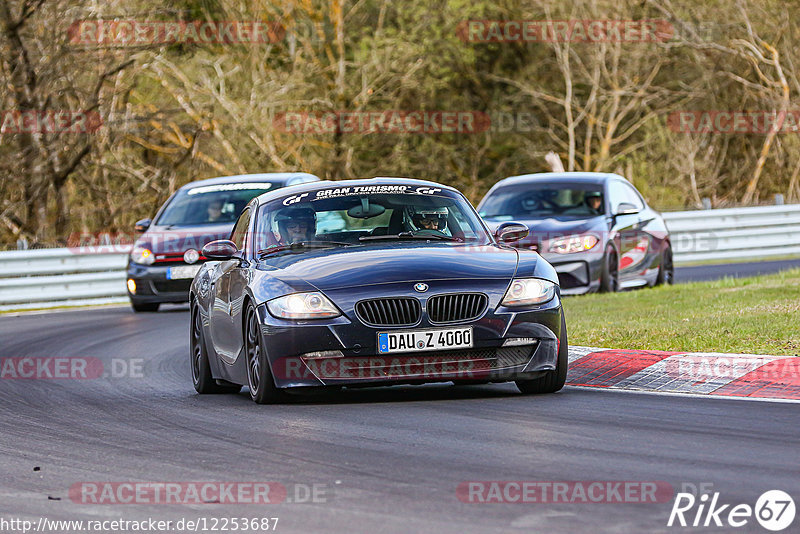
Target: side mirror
(626,208)
(221,249)
(508,232)
(143,225)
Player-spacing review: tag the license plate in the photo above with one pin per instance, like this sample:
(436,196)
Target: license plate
(424,340)
(182,271)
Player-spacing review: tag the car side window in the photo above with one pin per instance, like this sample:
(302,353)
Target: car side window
(616,195)
(239,233)
(620,192)
(633,196)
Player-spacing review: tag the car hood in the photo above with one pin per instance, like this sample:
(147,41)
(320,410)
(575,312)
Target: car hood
(339,268)
(173,240)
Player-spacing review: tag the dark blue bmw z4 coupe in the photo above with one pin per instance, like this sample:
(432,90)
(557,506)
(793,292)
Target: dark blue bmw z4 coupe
(372,282)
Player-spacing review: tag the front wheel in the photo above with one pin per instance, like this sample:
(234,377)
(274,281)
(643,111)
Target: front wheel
(666,271)
(259,376)
(203,382)
(609,279)
(552,381)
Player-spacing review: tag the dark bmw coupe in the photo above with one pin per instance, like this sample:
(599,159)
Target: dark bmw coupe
(372,282)
(594,228)
(166,256)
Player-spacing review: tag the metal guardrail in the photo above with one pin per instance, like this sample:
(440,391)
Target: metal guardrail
(63,277)
(50,278)
(734,233)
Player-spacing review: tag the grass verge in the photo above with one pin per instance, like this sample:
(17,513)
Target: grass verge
(758,315)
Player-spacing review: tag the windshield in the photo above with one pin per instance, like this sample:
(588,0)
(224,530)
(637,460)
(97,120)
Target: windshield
(366,214)
(211,204)
(544,200)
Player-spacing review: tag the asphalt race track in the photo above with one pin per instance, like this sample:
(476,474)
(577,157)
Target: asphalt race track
(384,460)
(698,273)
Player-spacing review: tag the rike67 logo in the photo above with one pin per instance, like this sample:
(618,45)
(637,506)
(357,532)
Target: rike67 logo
(774,510)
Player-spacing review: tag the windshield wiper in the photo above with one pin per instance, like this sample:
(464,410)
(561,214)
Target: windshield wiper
(410,235)
(303,245)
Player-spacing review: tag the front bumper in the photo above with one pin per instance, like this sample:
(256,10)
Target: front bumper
(153,286)
(578,273)
(344,352)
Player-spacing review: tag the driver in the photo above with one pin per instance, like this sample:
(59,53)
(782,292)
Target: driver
(423,218)
(297,224)
(594,200)
(214,210)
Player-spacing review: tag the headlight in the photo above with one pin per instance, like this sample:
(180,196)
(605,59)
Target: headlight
(527,291)
(143,256)
(573,243)
(303,306)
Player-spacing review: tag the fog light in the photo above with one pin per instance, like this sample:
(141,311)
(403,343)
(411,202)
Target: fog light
(321,355)
(132,286)
(520,341)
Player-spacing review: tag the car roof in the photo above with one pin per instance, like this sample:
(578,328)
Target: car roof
(333,184)
(281,177)
(566,177)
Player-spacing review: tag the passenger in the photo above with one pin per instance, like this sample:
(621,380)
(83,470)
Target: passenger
(297,224)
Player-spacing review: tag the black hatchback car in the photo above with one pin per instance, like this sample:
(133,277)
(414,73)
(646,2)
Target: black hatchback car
(167,255)
(594,228)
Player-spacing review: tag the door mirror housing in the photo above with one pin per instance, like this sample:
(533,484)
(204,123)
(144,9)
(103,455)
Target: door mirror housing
(510,231)
(222,249)
(143,225)
(626,208)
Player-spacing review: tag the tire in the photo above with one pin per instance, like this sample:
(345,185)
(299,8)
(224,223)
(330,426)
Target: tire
(609,279)
(666,271)
(552,381)
(140,307)
(259,377)
(203,382)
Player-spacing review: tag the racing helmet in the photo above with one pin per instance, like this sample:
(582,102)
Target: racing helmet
(589,195)
(436,216)
(296,215)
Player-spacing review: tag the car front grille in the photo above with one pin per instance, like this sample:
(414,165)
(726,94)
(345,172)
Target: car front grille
(457,307)
(173,286)
(176,259)
(466,364)
(389,311)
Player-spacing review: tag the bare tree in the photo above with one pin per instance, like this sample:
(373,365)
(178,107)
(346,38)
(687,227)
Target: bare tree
(45,76)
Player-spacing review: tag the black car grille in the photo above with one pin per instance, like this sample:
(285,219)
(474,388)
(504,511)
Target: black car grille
(389,311)
(457,307)
(512,356)
(173,286)
(427,365)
